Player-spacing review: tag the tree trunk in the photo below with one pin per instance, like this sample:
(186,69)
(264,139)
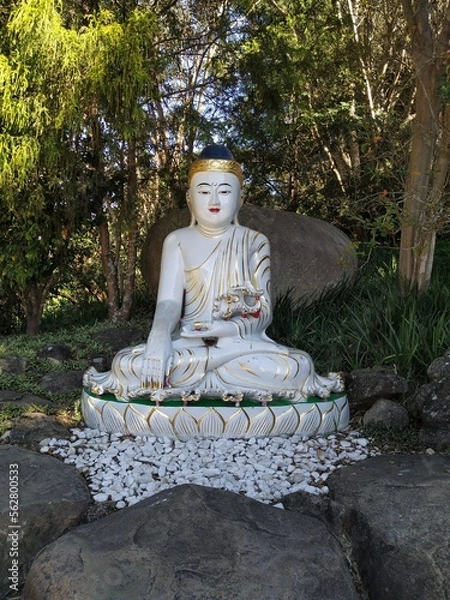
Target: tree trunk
(129,274)
(119,270)
(109,270)
(427,171)
(32,300)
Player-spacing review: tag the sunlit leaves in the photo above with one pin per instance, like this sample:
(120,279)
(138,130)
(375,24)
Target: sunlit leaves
(53,74)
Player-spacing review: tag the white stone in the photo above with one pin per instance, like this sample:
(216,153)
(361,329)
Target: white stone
(101,497)
(266,469)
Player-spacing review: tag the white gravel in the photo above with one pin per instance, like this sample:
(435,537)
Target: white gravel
(125,469)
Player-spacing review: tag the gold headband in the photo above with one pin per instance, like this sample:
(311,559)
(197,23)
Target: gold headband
(215,164)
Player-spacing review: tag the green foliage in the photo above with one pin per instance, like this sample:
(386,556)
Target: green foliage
(58,83)
(370,324)
(102,106)
(320,116)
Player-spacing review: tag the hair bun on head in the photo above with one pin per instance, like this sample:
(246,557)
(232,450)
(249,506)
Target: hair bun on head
(216,151)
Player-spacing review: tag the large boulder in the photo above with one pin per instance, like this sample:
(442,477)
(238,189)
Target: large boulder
(395,511)
(440,367)
(41,499)
(308,255)
(117,338)
(56,353)
(22,399)
(13,364)
(194,543)
(65,381)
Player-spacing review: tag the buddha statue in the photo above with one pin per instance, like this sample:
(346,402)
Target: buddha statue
(208,337)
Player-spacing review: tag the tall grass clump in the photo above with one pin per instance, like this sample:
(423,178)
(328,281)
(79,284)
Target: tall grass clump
(369,323)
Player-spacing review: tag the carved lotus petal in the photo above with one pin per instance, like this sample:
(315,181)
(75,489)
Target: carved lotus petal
(287,420)
(160,424)
(330,417)
(211,424)
(91,413)
(185,425)
(310,421)
(137,419)
(344,411)
(113,417)
(262,421)
(237,424)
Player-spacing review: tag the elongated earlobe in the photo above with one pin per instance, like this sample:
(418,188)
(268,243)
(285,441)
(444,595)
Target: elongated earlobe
(188,202)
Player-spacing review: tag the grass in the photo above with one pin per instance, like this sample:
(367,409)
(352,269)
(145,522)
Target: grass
(65,405)
(371,323)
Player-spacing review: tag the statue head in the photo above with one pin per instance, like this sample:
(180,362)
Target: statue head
(214,195)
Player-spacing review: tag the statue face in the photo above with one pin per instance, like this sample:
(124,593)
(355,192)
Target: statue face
(214,198)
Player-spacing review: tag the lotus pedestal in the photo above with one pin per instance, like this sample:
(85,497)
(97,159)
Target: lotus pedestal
(211,418)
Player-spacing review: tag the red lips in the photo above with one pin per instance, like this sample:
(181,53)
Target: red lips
(214,210)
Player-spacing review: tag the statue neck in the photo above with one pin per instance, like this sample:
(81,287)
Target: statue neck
(210,233)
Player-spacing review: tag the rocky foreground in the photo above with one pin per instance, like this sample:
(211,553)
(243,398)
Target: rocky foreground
(327,520)
(380,532)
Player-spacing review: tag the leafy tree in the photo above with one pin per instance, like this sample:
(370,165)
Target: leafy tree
(102,103)
(149,135)
(316,107)
(38,170)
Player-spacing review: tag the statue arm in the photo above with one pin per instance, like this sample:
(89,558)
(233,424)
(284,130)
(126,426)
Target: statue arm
(159,348)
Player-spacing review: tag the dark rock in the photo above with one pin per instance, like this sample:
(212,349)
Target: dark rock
(396,513)
(415,402)
(30,429)
(308,255)
(22,399)
(308,504)
(13,364)
(435,414)
(387,413)
(52,497)
(440,367)
(364,386)
(101,363)
(98,510)
(430,404)
(67,381)
(57,353)
(194,543)
(120,337)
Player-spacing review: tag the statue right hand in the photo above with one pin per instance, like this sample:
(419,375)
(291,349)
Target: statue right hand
(158,357)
